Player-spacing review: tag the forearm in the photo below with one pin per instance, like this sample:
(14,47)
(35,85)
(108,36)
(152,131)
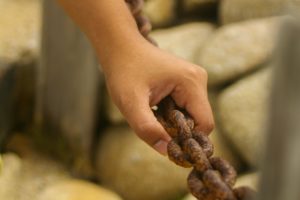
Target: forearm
(108,24)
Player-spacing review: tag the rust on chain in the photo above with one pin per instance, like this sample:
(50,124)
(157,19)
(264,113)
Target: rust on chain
(212,178)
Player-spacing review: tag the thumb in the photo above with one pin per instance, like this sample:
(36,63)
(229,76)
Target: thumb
(141,118)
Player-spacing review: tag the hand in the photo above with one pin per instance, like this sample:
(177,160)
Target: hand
(138,74)
(141,75)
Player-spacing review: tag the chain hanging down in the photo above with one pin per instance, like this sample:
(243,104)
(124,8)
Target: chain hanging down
(212,178)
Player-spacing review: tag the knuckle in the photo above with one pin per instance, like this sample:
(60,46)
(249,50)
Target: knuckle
(192,72)
(203,73)
(197,73)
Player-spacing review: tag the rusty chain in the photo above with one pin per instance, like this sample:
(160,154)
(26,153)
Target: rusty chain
(212,178)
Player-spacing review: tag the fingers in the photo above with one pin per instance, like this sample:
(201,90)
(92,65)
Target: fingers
(199,108)
(141,118)
(191,94)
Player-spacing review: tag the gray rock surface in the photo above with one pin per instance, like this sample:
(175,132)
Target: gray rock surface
(237,49)
(237,10)
(20,28)
(135,171)
(184,40)
(160,12)
(243,111)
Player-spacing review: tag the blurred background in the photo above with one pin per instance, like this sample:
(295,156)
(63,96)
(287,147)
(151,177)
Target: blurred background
(61,136)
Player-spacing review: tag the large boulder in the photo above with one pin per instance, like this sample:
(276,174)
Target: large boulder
(73,189)
(20,22)
(160,12)
(237,10)
(184,40)
(237,49)
(243,113)
(130,167)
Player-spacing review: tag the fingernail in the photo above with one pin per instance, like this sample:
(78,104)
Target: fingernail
(161,147)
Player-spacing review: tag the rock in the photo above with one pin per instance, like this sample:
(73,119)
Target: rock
(237,49)
(243,109)
(1,164)
(189,197)
(76,190)
(20,28)
(237,10)
(134,170)
(19,41)
(9,178)
(39,177)
(184,40)
(160,12)
(196,5)
(250,180)
(38,170)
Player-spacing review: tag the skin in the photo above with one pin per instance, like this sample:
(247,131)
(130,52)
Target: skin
(138,75)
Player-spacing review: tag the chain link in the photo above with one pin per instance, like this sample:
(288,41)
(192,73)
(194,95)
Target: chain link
(212,178)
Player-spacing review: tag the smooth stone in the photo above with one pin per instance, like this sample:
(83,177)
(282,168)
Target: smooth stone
(237,10)
(184,40)
(160,12)
(243,113)
(189,197)
(130,167)
(9,177)
(237,49)
(20,22)
(73,189)
(1,164)
(38,170)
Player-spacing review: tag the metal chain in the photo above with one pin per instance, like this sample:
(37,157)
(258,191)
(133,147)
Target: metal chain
(212,178)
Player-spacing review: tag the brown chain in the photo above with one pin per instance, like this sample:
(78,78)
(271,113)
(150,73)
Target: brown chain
(212,178)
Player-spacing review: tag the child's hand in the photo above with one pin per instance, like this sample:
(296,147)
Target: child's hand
(142,75)
(138,74)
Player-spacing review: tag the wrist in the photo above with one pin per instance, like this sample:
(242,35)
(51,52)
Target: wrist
(119,52)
